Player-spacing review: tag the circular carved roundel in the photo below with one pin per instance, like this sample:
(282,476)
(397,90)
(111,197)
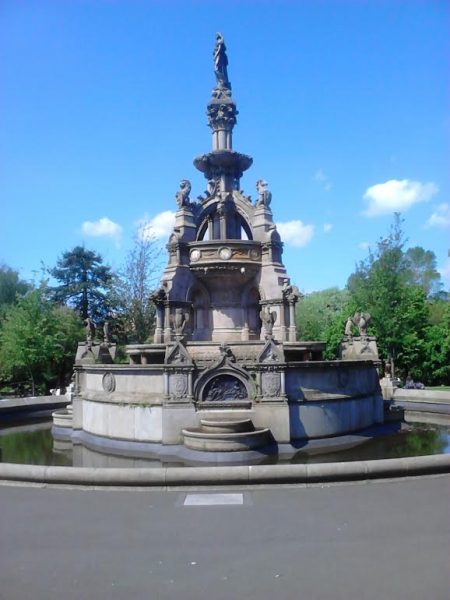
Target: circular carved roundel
(109,382)
(195,255)
(225,253)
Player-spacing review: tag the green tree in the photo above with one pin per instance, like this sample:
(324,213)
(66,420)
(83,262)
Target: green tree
(84,283)
(11,286)
(317,310)
(436,366)
(38,341)
(420,270)
(133,285)
(382,285)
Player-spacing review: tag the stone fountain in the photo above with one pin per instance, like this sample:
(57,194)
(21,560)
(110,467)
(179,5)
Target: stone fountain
(225,371)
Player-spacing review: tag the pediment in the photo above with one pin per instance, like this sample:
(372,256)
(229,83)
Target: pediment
(271,353)
(176,354)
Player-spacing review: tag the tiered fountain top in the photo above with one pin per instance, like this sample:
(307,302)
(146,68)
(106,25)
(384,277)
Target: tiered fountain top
(222,162)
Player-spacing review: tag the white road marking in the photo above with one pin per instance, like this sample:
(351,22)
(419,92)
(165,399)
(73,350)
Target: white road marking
(213,499)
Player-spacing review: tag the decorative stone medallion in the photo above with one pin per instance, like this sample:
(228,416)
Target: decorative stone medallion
(254,254)
(178,385)
(195,255)
(271,384)
(225,253)
(109,382)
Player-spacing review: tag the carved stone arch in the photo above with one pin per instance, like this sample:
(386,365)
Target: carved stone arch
(199,298)
(244,221)
(251,306)
(204,217)
(226,383)
(195,287)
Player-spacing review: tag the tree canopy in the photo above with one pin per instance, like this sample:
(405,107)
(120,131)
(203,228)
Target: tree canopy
(38,341)
(395,285)
(84,283)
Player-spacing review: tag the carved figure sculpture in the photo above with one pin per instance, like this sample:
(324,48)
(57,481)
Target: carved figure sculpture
(221,62)
(361,320)
(179,321)
(265,196)
(349,328)
(268,319)
(291,292)
(90,331)
(106,332)
(182,196)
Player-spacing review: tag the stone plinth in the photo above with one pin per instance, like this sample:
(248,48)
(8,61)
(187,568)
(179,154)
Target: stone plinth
(359,348)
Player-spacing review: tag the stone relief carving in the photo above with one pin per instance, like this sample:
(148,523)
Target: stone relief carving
(178,384)
(223,114)
(225,388)
(271,384)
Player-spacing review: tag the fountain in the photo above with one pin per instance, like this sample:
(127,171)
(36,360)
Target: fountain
(225,372)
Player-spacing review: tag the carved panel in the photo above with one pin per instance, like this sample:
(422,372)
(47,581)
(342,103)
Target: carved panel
(178,385)
(224,388)
(271,384)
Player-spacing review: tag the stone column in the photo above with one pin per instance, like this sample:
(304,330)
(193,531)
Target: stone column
(283,322)
(167,329)
(159,324)
(292,328)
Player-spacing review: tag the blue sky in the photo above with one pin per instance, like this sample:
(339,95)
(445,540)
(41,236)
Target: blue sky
(342,105)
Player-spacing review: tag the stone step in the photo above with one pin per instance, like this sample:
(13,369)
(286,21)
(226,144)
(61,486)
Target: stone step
(226,426)
(198,439)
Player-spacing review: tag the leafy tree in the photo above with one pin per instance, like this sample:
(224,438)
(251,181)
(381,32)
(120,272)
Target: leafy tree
(133,286)
(38,341)
(316,311)
(392,285)
(11,286)
(436,366)
(84,283)
(421,270)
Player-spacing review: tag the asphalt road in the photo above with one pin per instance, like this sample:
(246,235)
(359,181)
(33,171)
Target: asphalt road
(385,540)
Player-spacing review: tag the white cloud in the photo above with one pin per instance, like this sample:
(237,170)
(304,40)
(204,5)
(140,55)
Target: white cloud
(440,217)
(327,227)
(445,273)
(295,233)
(397,196)
(364,245)
(104,227)
(159,226)
(321,177)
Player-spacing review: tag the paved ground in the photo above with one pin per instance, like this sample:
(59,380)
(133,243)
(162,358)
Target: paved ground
(385,540)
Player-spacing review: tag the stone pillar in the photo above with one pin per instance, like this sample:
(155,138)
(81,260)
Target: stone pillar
(190,387)
(245,334)
(283,327)
(159,324)
(167,329)
(292,328)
